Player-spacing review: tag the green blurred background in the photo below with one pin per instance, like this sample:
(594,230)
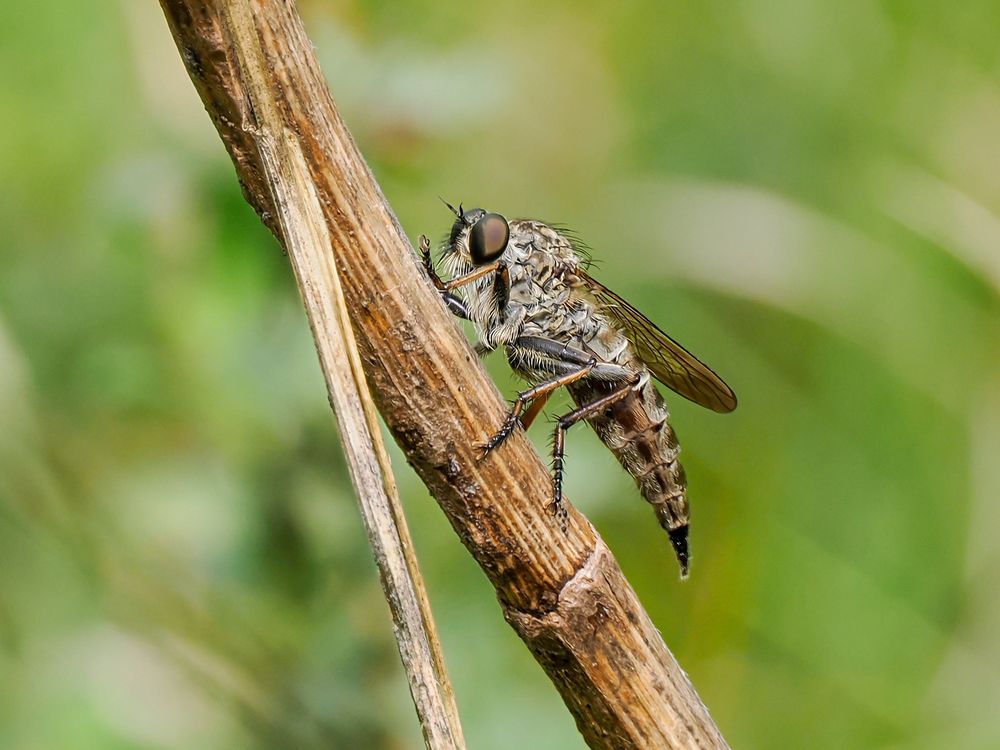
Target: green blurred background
(805,193)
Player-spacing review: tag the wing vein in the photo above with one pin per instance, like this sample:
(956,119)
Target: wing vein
(670,363)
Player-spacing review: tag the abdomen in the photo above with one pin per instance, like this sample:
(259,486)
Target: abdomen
(636,430)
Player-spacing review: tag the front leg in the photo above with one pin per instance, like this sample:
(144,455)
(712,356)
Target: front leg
(445,286)
(455,303)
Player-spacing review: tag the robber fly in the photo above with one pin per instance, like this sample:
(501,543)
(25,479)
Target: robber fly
(526,289)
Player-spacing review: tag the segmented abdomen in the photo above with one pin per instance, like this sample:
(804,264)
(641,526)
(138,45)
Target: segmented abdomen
(637,432)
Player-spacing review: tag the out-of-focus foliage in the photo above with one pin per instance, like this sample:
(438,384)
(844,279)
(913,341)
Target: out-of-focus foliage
(806,193)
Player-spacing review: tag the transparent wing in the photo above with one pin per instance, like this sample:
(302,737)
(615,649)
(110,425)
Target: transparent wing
(671,363)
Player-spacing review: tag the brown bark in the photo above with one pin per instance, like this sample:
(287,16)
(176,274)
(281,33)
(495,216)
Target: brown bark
(562,591)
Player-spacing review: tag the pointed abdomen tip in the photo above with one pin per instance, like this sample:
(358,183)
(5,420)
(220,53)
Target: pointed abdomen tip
(679,540)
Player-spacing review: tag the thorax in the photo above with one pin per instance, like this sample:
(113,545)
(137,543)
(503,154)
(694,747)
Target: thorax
(546,297)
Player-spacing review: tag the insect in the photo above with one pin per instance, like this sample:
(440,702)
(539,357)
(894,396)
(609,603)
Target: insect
(527,289)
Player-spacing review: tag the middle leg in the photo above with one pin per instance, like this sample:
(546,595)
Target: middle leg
(567,364)
(540,391)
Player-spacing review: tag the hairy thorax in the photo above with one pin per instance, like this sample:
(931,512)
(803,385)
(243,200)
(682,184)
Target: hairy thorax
(545,298)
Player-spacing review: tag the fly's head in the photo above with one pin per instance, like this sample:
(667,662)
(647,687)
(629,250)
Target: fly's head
(477,237)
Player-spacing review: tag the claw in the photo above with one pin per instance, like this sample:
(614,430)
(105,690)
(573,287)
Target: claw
(483,450)
(428,261)
(558,508)
(425,251)
(511,423)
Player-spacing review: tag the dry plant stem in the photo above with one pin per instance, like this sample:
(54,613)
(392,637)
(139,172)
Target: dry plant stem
(562,591)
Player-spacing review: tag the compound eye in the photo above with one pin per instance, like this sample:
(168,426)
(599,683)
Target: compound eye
(488,238)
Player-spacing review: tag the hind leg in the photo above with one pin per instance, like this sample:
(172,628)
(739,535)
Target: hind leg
(559,439)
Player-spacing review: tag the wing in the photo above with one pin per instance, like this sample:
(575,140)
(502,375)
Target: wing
(671,363)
